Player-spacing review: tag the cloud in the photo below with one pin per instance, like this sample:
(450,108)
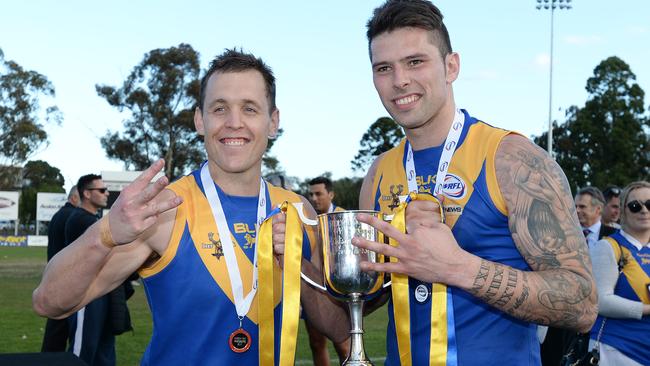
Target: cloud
(542,60)
(582,40)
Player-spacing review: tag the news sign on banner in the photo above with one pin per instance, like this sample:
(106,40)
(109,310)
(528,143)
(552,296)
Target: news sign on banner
(9,205)
(47,204)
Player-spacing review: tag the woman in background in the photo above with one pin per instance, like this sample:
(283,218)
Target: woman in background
(621,267)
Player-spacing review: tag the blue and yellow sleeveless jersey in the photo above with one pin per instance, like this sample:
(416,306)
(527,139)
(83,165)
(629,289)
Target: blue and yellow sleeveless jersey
(188,288)
(630,336)
(477,215)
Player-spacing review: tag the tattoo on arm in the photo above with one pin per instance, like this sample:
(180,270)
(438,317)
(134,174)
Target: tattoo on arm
(559,291)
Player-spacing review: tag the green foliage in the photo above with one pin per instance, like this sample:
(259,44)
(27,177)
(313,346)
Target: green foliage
(271,164)
(346,192)
(160,95)
(21,129)
(38,176)
(381,136)
(606,141)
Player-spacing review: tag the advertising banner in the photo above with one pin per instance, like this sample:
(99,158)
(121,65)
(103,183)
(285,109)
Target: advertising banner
(9,205)
(47,204)
(14,241)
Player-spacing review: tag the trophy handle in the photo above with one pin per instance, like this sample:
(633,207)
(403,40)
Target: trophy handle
(310,222)
(306,220)
(309,281)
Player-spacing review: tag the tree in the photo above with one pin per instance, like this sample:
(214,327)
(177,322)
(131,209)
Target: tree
(381,136)
(606,141)
(21,129)
(38,176)
(271,164)
(160,94)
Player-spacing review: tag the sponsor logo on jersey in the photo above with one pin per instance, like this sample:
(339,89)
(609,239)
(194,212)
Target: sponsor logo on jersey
(454,187)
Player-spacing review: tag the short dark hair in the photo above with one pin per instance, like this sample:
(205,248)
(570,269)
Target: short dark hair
(232,60)
(597,198)
(395,14)
(610,192)
(322,180)
(84,183)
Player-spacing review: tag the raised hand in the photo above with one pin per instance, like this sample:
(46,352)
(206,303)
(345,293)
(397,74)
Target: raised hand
(428,252)
(137,207)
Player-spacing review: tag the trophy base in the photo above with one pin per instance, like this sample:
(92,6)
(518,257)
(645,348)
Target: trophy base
(357,363)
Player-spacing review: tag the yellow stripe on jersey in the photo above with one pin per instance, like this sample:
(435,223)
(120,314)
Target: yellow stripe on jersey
(180,188)
(478,148)
(636,276)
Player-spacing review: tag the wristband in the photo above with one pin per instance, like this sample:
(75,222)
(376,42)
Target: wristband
(105,233)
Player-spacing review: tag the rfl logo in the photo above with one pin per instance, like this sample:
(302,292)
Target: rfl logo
(454,187)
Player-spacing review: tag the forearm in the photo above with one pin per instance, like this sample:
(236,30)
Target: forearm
(69,275)
(326,314)
(556,297)
(614,306)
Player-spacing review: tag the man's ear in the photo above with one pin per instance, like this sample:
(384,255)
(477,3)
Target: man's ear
(198,121)
(452,65)
(275,124)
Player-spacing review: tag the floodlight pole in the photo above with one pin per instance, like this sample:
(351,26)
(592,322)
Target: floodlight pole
(551,5)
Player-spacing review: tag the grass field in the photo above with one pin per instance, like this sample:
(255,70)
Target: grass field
(22,331)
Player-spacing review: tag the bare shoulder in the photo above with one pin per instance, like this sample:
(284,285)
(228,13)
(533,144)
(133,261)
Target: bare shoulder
(308,209)
(541,211)
(366,194)
(157,237)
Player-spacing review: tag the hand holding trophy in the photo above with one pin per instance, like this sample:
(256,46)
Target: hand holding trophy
(344,278)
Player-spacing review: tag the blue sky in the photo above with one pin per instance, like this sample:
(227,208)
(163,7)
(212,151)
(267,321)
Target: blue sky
(318,52)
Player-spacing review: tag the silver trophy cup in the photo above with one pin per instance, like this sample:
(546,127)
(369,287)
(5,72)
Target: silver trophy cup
(343,275)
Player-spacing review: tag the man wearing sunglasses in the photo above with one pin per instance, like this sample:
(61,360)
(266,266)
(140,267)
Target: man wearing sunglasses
(91,337)
(612,209)
(622,273)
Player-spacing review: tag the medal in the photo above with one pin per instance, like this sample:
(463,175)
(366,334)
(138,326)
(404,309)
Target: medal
(421,293)
(240,341)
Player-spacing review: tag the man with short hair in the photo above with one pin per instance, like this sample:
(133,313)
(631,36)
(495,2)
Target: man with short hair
(589,205)
(55,338)
(91,336)
(510,254)
(321,195)
(195,241)
(612,209)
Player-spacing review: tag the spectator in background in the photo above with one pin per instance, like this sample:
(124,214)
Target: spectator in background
(612,209)
(622,272)
(91,335)
(320,196)
(589,205)
(56,330)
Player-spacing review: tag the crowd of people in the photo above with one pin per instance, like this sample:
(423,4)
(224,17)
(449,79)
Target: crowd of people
(506,247)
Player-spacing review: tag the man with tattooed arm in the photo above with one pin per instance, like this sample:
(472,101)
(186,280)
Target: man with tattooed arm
(510,254)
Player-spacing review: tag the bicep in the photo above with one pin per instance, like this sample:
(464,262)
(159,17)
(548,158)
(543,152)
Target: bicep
(541,212)
(366,195)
